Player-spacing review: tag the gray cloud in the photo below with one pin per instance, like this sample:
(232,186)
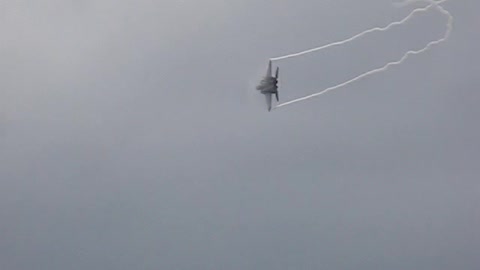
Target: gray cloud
(130,138)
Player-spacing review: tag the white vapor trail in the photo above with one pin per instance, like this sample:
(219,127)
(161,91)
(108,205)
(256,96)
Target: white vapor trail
(386,66)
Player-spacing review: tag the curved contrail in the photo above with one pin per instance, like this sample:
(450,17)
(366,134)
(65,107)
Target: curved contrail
(386,66)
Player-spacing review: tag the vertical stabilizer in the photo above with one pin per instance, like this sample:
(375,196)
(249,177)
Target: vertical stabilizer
(269,69)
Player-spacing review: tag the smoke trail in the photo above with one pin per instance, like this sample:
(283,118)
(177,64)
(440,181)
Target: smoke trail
(376,29)
(388,65)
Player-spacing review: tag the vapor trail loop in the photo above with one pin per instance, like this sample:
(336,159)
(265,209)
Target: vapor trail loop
(386,66)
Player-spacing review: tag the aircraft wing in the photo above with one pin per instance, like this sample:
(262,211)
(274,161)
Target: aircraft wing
(268,99)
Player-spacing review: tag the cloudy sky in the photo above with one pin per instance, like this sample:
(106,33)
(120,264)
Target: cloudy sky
(131,137)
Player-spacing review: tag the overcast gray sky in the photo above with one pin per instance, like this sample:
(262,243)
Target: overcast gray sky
(131,137)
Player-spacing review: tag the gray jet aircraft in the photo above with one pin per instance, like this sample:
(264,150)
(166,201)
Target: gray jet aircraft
(268,85)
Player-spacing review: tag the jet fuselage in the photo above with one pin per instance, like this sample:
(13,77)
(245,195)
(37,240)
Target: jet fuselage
(269,85)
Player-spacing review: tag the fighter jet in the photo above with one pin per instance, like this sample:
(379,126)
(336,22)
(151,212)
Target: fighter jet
(268,85)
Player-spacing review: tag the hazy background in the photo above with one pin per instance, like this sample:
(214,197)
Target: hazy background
(131,137)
